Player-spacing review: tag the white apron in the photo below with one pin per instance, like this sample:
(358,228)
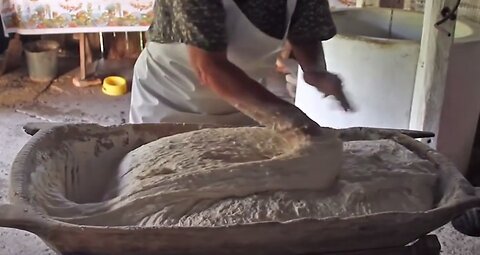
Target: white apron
(165,86)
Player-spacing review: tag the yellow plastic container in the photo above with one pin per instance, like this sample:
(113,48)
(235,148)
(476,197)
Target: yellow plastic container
(114,86)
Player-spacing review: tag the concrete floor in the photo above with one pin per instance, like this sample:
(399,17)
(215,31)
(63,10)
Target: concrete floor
(60,101)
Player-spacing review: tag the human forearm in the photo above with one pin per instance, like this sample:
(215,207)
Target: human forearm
(312,60)
(247,95)
(309,56)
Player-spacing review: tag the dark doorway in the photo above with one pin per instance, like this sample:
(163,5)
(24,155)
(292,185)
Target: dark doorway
(3,39)
(473,174)
(392,3)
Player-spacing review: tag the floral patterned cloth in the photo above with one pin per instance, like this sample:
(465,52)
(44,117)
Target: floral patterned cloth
(70,16)
(312,19)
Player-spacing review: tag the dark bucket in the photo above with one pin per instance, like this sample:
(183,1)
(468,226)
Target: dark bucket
(42,60)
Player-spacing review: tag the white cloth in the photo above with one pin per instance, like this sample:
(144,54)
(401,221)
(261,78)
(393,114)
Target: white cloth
(166,88)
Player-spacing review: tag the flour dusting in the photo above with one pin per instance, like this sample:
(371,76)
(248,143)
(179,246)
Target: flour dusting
(230,176)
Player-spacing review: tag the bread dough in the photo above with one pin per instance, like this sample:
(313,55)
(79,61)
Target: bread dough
(228,176)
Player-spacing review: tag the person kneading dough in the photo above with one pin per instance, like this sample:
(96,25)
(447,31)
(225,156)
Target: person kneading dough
(205,59)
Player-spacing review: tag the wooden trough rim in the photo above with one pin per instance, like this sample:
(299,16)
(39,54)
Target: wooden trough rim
(21,215)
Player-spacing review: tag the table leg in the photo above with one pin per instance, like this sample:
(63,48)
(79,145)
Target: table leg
(83,61)
(12,56)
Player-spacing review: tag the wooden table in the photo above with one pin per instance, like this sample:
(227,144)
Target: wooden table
(41,17)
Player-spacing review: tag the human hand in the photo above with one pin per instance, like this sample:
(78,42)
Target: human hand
(292,122)
(330,85)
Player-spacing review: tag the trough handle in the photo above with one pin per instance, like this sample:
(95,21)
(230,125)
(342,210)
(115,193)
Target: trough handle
(32,128)
(411,133)
(17,217)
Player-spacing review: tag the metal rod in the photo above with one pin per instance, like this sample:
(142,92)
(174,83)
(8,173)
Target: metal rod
(102,47)
(141,41)
(126,41)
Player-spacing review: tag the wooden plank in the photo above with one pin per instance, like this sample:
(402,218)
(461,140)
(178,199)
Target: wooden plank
(392,3)
(360,3)
(368,3)
(83,60)
(407,5)
(384,3)
(432,68)
(428,245)
(88,53)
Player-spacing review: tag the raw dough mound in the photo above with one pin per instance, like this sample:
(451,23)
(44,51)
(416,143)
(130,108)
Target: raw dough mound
(170,177)
(225,177)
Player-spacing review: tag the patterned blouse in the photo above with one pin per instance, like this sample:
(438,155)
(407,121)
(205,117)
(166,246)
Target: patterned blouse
(201,23)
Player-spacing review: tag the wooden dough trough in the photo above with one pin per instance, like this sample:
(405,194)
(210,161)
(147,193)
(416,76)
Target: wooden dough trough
(87,148)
